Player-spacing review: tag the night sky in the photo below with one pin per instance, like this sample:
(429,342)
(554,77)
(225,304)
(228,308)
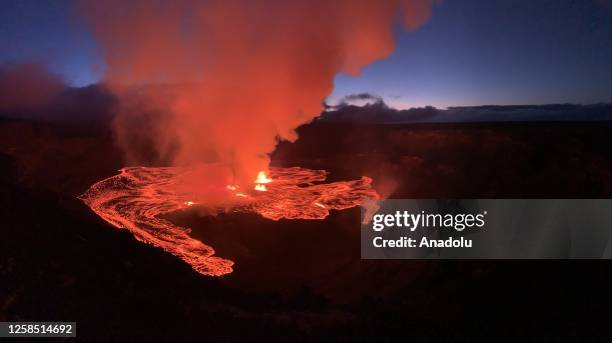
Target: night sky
(470,52)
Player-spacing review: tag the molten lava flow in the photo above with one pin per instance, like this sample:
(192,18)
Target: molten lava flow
(137,197)
(297,193)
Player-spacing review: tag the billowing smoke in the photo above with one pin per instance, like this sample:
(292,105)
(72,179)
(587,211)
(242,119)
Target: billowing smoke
(223,81)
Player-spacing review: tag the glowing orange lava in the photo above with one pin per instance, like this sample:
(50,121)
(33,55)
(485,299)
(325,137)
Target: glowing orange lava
(137,197)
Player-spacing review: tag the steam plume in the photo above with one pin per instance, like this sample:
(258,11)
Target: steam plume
(234,76)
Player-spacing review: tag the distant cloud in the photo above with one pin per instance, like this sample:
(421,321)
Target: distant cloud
(26,86)
(362,96)
(380,113)
(358,99)
(31,91)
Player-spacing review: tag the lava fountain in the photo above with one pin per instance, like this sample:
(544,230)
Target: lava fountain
(137,197)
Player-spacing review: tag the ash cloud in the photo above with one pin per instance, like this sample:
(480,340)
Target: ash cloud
(238,75)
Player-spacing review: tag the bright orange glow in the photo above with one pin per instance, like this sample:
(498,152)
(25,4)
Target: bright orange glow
(261,181)
(138,197)
(262,178)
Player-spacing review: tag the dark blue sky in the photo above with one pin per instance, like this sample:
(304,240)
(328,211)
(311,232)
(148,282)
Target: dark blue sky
(470,52)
